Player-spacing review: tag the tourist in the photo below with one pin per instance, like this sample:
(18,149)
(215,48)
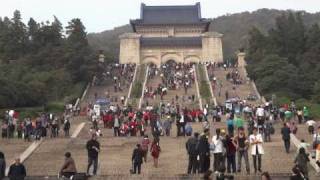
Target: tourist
(137,159)
(66,127)
(116,126)
(188,129)
(297,174)
(93,148)
(230,126)
(300,115)
(257,150)
(205,125)
(268,130)
(69,166)
(145,147)
(17,171)
(218,150)
(180,122)
(155,152)
(2,166)
(231,154)
(316,138)
(242,145)
(301,161)
(293,128)
(265,176)
(316,144)
(191,146)
(285,132)
(302,144)
(204,152)
(305,113)
(238,122)
(167,124)
(311,126)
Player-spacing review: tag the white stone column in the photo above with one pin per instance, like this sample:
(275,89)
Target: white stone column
(129,48)
(241,59)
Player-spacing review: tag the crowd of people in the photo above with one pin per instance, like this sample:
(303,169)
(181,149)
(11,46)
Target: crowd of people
(45,125)
(247,127)
(173,77)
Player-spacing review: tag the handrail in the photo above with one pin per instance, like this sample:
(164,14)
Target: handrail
(210,86)
(143,87)
(131,84)
(197,87)
(297,143)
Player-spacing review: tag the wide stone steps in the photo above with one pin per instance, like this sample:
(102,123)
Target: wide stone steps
(241,91)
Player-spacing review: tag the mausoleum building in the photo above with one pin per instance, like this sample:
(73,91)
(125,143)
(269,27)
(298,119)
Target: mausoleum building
(164,33)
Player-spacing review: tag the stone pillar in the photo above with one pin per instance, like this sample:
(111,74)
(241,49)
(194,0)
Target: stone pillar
(212,47)
(129,48)
(241,61)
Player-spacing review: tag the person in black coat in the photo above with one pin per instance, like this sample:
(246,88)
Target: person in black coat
(17,171)
(2,165)
(191,146)
(137,159)
(93,147)
(204,154)
(285,131)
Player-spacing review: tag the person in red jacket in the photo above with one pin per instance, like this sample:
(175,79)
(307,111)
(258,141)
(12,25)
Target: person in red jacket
(146,117)
(155,152)
(132,127)
(105,120)
(194,115)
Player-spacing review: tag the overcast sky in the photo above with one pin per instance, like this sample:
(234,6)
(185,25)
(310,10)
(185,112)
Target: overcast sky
(100,15)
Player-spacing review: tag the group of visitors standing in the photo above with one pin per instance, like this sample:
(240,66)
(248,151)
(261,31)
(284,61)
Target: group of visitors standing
(46,125)
(224,149)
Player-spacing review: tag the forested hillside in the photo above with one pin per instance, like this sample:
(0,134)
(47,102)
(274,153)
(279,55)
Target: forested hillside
(286,61)
(41,62)
(235,28)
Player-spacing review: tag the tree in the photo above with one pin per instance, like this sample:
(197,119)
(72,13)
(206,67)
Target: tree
(80,64)
(77,35)
(18,33)
(288,36)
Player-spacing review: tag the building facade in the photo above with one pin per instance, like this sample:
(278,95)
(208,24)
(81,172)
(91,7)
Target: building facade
(164,33)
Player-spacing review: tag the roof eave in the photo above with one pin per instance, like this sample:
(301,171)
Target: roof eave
(133,25)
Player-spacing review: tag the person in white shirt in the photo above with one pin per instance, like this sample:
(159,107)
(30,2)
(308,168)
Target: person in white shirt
(257,150)
(205,113)
(311,123)
(218,150)
(260,112)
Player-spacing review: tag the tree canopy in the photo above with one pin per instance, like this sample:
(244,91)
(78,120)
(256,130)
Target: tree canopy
(286,60)
(42,62)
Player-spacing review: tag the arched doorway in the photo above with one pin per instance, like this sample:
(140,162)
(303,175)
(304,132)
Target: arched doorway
(151,60)
(191,59)
(171,57)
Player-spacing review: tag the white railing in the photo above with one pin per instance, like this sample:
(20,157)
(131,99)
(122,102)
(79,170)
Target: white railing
(143,87)
(296,142)
(197,87)
(210,86)
(131,84)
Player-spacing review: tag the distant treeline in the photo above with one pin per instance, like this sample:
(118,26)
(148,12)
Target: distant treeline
(42,62)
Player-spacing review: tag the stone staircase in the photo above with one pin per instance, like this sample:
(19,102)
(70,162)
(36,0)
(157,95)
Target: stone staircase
(49,157)
(275,160)
(115,156)
(184,98)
